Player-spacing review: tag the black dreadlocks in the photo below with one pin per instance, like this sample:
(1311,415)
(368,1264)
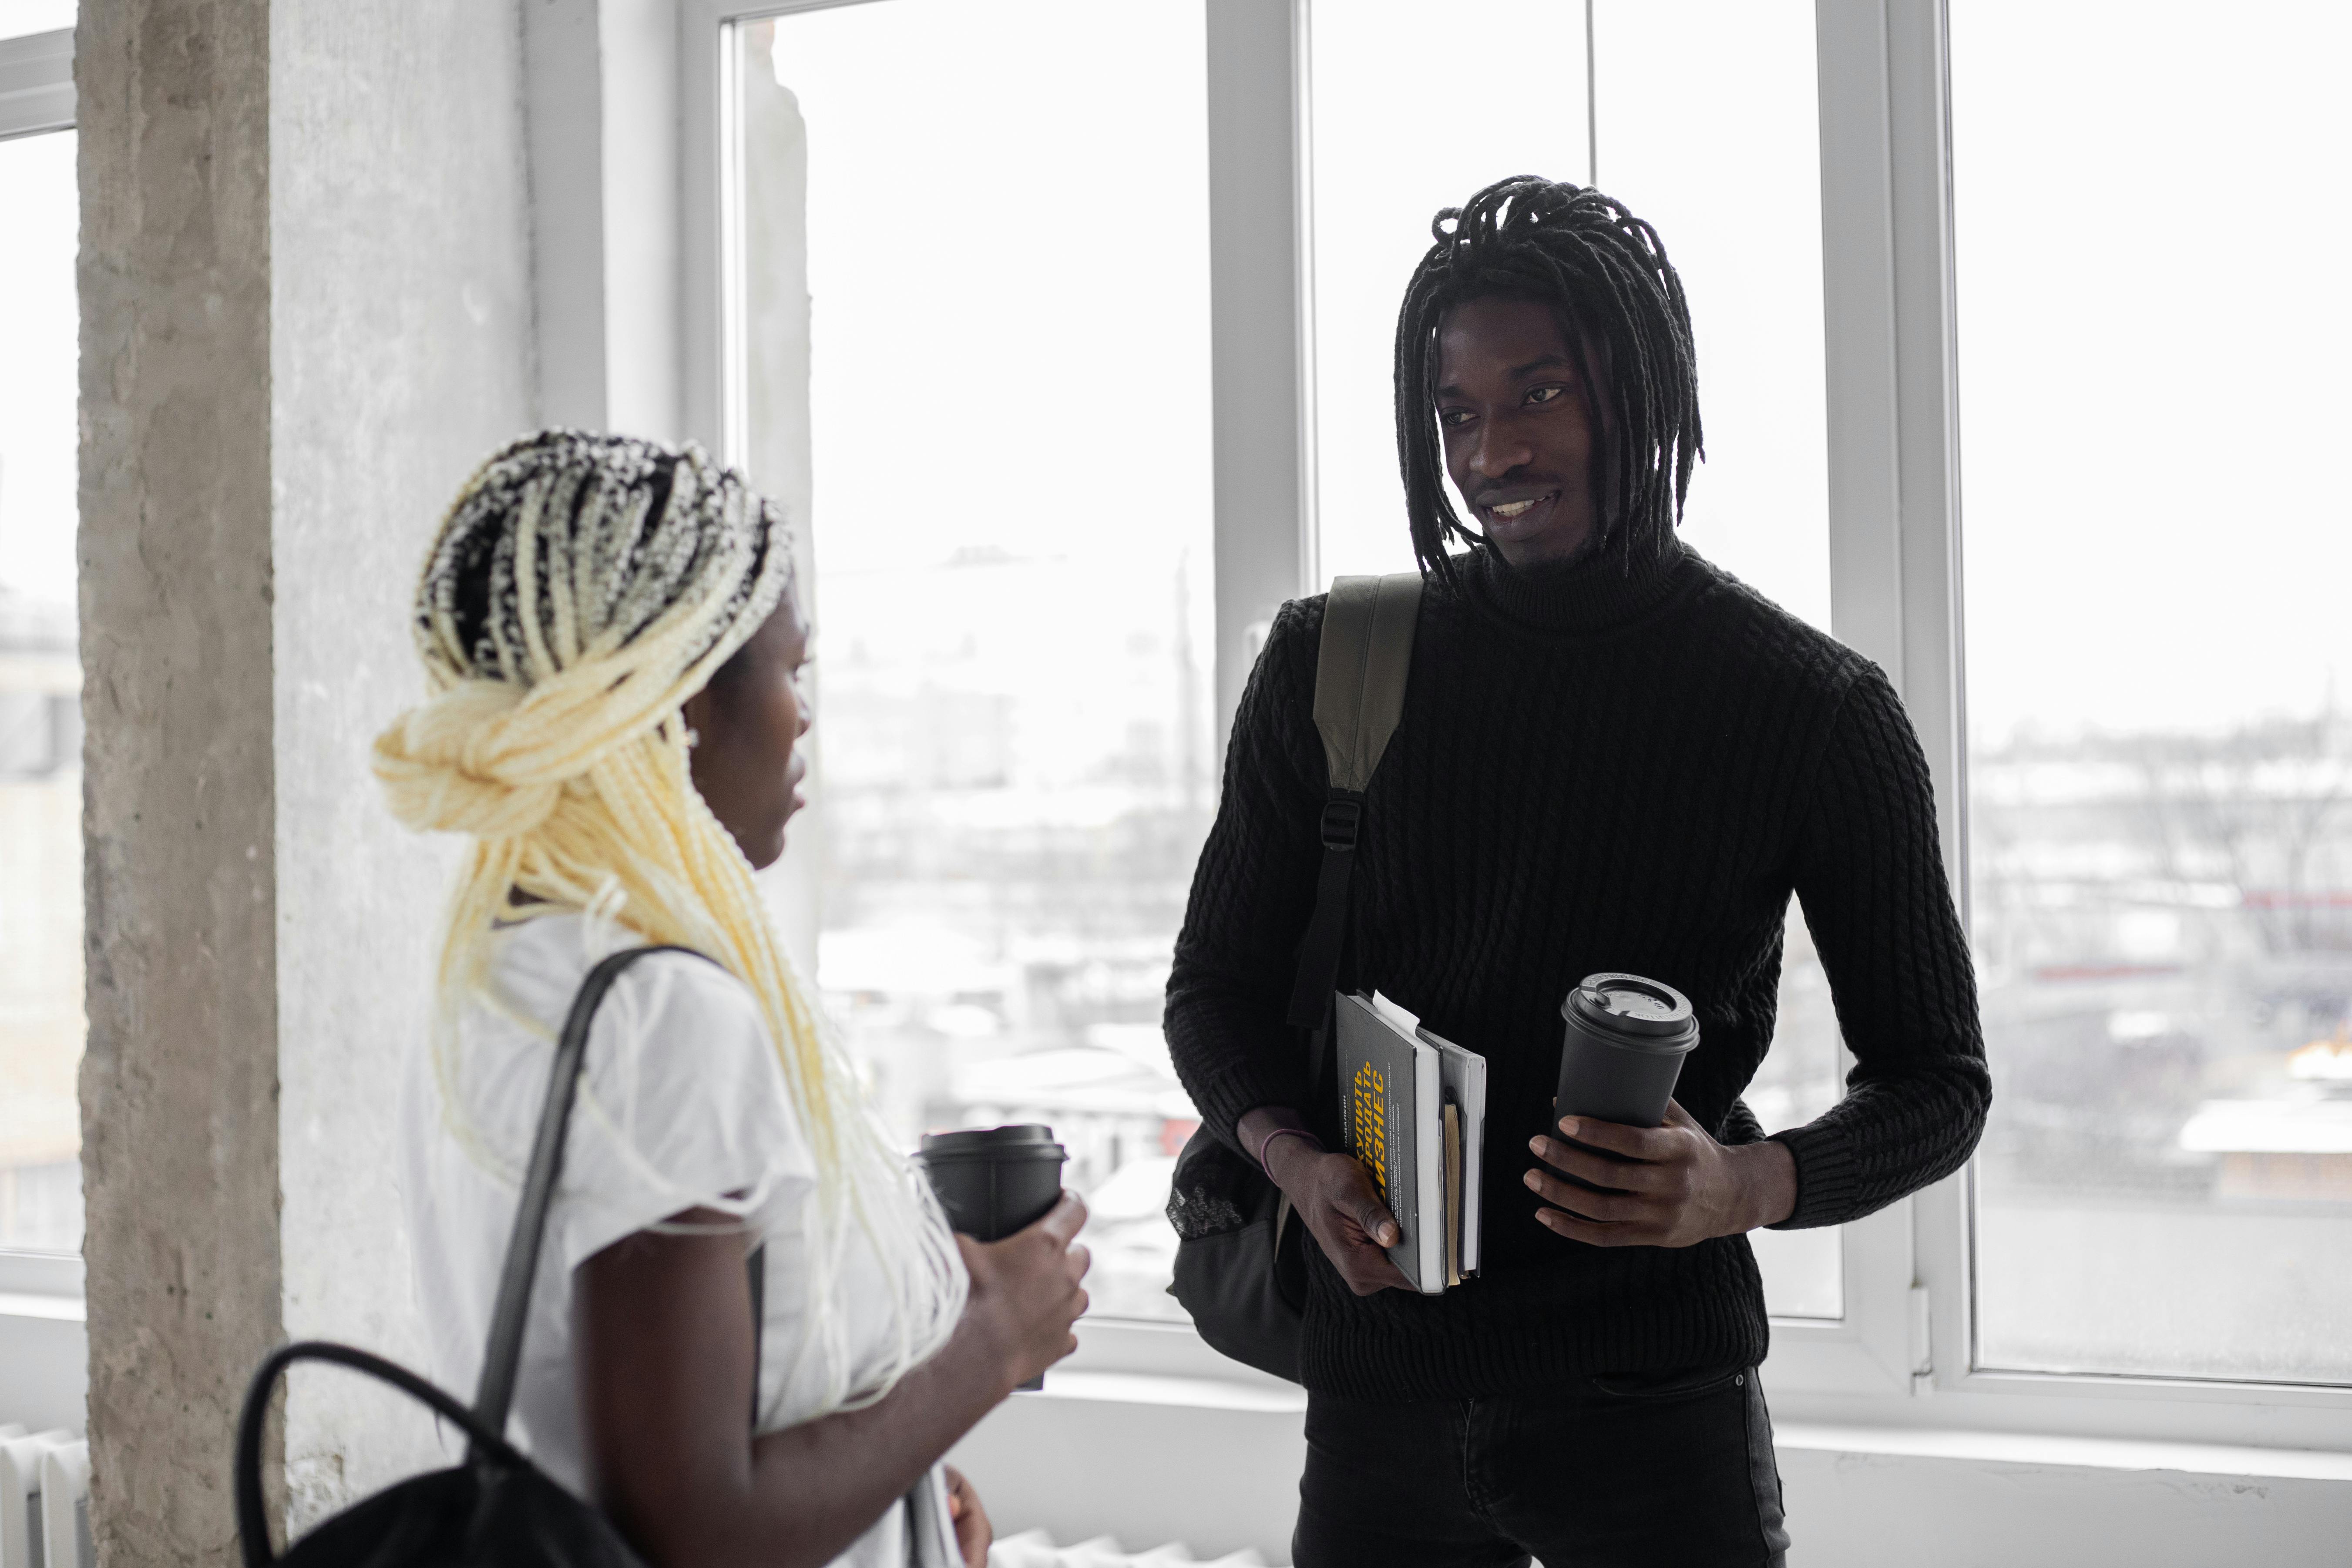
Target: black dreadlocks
(1606,274)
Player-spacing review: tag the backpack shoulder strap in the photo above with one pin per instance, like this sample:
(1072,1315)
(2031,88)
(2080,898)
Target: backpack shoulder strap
(503,1354)
(1360,669)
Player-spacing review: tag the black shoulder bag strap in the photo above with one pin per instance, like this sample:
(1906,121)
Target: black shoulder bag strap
(1360,669)
(494,1395)
(419,1506)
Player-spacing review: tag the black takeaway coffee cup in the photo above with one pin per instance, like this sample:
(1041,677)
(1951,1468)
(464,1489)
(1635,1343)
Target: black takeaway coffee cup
(1623,1049)
(994,1181)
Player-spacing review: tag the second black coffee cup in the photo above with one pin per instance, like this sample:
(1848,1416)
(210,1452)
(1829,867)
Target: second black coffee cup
(994,1181)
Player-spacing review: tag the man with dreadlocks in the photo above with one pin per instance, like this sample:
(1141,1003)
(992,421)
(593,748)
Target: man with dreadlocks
(1612,756)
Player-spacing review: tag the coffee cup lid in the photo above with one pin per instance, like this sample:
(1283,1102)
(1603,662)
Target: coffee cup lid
(1025,1138)
(1628,1004)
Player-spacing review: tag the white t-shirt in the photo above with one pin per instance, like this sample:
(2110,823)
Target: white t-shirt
(682,1101)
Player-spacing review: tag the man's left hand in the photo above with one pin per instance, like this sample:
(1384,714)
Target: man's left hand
(1670,1186)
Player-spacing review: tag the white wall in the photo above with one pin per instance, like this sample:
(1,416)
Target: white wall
(401,336)
(1852,1506)
(1087,1461)
(1217,1479)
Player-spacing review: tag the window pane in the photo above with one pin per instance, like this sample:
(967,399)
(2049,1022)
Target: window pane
(2153,320)
(1393,138)
(40,704)
(1006,232)
(19,17)
(1709,129)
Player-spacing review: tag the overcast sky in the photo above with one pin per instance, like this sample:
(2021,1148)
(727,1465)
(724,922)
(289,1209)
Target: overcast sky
(37,345)
(2154,326)
(2152,319)
(37,356)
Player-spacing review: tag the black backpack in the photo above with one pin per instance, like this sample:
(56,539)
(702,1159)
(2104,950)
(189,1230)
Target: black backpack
(1241,1264)
(496,1507)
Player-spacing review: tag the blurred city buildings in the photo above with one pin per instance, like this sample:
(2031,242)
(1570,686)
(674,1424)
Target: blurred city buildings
(41,1024)
(1016,774)
(2163,925)
(1017,770)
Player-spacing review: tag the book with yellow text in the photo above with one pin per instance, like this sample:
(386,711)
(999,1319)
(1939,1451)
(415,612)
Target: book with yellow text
(1397,1086)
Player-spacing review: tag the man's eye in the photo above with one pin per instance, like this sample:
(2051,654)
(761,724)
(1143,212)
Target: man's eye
(1452,416)
(1546,394)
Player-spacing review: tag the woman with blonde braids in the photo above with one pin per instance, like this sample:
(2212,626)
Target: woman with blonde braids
(613,649)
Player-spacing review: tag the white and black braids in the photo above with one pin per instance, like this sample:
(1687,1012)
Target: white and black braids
(637,544)
(581,589)
(1605,274)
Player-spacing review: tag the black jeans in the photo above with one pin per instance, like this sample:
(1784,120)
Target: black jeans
(1668,1469)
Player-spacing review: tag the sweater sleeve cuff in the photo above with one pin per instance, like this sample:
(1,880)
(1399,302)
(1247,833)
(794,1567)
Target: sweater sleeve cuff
(1224,1099)
(1827,1181)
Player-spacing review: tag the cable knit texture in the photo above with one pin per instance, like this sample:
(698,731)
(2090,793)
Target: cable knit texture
(1627,763)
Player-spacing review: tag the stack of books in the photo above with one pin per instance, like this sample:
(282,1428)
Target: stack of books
(1413,1110)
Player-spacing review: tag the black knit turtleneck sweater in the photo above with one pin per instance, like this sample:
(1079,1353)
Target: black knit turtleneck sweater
(1612,765)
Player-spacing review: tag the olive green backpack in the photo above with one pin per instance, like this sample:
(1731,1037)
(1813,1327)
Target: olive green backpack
(1241,1263)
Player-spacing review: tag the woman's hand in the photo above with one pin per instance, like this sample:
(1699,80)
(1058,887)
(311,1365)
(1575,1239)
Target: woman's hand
(665,1355)
(1025,1292)
(1335,1195)
(973,1533)
(1670,1185)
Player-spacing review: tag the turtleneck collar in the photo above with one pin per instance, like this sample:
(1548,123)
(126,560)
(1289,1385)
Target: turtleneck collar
(1600,590)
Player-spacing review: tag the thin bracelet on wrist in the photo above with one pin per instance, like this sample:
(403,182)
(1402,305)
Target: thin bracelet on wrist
(1284,1133)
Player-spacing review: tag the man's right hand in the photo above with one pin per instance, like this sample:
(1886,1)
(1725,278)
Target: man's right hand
(1335,1195)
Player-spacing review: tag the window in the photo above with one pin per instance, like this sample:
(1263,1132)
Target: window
(40,704)
(1708,129)
(2141,805)
(1703,119)
(1394,137)
(21,18)
(2149,249)
(1007,467)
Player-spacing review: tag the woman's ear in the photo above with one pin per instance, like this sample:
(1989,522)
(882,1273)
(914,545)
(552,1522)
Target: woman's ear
(697,710)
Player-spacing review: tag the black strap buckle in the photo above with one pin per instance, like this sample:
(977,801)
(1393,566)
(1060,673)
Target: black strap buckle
(1341,818)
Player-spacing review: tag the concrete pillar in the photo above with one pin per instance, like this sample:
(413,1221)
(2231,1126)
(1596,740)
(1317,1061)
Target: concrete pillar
(306,315)
(179,1082)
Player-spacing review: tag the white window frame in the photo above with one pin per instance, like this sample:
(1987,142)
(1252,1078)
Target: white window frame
(43,1345)
(1896,585)
(36,91)
(37,98)
(1903,1354)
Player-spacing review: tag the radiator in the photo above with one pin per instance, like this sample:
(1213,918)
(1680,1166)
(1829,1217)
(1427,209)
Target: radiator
(44,1518)
(44,1499)
(1035,1549)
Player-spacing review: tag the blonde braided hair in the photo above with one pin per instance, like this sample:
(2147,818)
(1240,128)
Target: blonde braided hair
(580,590)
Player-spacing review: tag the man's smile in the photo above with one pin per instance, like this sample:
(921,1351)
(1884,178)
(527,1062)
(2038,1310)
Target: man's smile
(1516,506)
